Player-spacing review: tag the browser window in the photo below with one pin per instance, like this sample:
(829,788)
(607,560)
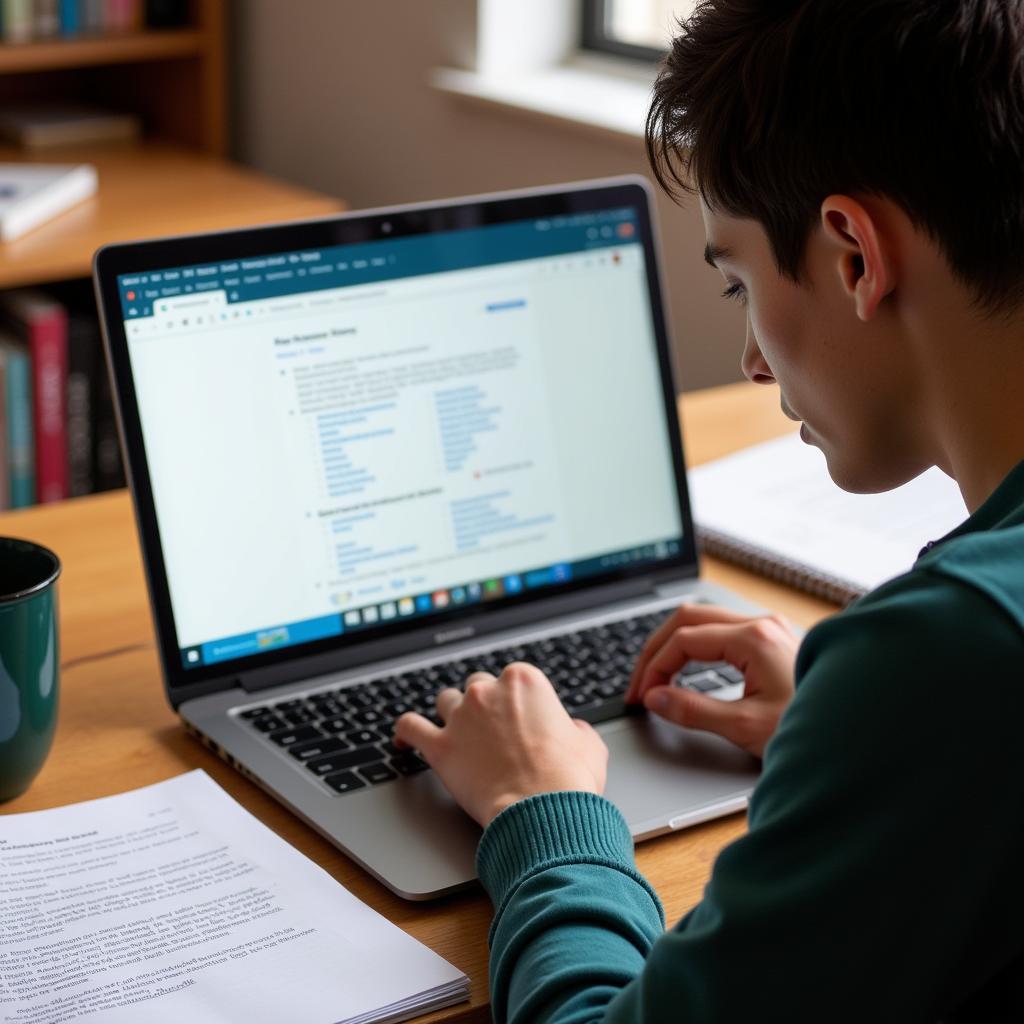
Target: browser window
(342,438)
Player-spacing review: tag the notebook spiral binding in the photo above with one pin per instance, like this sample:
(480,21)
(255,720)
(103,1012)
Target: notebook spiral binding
(785,570)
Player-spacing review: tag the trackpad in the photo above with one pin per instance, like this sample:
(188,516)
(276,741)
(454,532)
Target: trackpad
(658,772)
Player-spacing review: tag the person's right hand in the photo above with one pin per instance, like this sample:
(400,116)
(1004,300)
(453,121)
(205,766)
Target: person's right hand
(762,648)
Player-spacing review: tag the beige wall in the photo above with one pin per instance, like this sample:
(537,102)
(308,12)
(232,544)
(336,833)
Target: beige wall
(334,94)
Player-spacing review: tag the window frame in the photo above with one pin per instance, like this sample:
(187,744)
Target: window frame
(594,36)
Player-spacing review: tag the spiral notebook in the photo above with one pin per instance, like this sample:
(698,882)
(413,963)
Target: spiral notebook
(774,509)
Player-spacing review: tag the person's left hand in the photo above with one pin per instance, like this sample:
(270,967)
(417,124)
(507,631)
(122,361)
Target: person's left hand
(505,739)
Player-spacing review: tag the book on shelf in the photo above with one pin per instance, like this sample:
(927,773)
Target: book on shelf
(774,509)
(44,125)
(5,473)
(16,413)
(92,16)
(43,324)
(85,362)
(45,18)
(18,21)
(108,469)
(55,375)
(31,194)
(70,17)
(24,21)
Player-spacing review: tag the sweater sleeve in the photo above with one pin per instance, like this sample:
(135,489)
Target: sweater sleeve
(864,888)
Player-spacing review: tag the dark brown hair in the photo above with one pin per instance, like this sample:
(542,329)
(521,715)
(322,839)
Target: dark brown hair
(765,108)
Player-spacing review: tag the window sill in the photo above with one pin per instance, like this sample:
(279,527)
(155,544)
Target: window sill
(589,93)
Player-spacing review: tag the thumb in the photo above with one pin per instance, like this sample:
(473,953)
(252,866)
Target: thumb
(593,736)
(693,710)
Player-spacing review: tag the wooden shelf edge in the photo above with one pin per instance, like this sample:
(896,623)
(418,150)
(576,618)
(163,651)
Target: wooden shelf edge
(157,44)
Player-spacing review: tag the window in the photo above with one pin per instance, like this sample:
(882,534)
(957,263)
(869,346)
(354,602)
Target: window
(640,29)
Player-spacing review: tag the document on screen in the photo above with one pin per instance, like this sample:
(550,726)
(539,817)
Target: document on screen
(173,903)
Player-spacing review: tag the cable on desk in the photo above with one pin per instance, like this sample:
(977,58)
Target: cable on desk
(100,655)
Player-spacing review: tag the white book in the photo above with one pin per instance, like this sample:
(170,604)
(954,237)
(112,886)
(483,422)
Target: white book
(33,193)
(173,904)
(773,508)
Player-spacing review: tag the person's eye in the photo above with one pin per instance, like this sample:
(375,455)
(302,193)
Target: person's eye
(736,291)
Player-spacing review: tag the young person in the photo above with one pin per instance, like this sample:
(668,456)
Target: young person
(860,166)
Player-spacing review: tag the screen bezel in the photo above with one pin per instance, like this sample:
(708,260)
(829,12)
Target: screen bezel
(395,222)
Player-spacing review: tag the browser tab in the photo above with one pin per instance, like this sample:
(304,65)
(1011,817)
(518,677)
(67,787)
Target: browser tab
(191,302)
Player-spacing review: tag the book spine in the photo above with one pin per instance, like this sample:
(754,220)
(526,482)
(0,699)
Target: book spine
(764,563)
(91,15)
(21,446)
(17,21)
(46,18)
(69,19)
(48,347)
(108,471)
(83,357)
(5,459)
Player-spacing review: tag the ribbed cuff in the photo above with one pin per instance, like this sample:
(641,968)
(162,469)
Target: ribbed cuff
(552,827)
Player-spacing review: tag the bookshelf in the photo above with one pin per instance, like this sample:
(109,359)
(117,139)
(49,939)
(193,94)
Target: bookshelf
(129,48)
(176,179)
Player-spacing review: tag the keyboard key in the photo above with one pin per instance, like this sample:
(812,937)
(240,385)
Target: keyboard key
(317,748)
(269,723)
(330,710)
(369,716)
(606,710)
(289,737)
(704,683)
(360,700)
(579,699)
(254,712)
(343,759)
(338,723)
(344,782)
(299,716)
(408,763)
(693,668)
(285,705)
(378,772)
(422,702)
(362,737)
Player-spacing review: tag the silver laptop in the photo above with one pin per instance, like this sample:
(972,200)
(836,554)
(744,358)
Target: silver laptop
(374,452)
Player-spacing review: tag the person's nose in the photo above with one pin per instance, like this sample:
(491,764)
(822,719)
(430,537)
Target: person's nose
(753,365)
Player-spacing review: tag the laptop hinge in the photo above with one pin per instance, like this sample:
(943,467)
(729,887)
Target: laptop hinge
(435,641)
(678,589)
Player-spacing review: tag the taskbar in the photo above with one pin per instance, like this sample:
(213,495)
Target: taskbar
(410,606)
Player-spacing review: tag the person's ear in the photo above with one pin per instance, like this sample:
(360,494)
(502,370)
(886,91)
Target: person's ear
(863,262)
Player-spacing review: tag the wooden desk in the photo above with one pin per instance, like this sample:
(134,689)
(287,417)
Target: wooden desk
(116,731)
(148,190)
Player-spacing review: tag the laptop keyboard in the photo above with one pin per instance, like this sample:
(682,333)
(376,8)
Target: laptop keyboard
(342,735)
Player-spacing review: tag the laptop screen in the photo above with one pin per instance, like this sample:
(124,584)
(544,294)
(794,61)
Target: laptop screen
(344,439)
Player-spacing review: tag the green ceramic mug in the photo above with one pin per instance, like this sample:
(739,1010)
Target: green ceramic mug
(29,661)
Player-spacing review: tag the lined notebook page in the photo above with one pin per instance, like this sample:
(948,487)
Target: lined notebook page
(778,500)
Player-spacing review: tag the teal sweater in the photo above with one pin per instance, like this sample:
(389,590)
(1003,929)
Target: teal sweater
(881,877)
